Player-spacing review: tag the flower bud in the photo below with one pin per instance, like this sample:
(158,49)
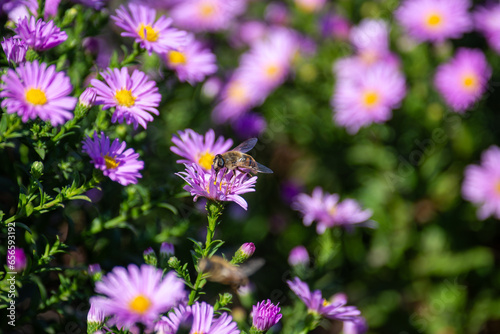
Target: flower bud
(174,262)
(298,256)
(16,259)
(88,97)
(264,316)
(150,257)
(95,318)
(166,251)
(15,50)
(37,169)
(95,272)
(243,253)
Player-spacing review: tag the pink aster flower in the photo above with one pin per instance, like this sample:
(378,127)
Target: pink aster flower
(463,80)
(207,15)
(369,98)
(199,149)
(135,97)
(192,62)
(39,35)
(116,163)
(481,184)
(334,309)
(218,186)
(15,50)
(487,21)
(35,90)
(138,294)
(328,211)
(298,256)
(265,315)
(140,22)
(204,321)
(435,20)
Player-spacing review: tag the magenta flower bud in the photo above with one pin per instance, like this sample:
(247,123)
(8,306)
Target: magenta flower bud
(15,50)
(95,271)
(88,97)
(95,315)
(265,315)
(150,257)
(167,249)
(16,259)
(298,256)
(243,253)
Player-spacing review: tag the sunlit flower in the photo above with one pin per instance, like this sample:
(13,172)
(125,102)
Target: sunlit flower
(328,211)
(435,20)
(486,20)
(218,186)
(298,256)
(463,80)
(199,149)
(369,98)
(35,90)
(116,163)
(140,22)
(191,62)
(320,306)
(206,15)
(39,35)
(204,321)
(15,50)
(265,315)
(138,294)
(135,97)
(481,184)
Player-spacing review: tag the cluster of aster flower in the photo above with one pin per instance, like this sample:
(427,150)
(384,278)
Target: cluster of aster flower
(202,180)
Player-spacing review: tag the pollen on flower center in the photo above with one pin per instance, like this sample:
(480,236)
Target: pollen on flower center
(176,58)
(326,302)
(125,98)
(140,304)
(148,33)
(434,20)
(207,10)
(36,96)
(111,162)
(370,98)
(206,160)
(237,93)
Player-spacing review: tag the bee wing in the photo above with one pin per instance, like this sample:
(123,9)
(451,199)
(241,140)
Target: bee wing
(263,169)
(246,146)
(252,266)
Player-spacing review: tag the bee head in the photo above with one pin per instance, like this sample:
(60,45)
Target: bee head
(218,162)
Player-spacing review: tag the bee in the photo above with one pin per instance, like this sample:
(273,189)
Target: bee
(237,159)
(221,271)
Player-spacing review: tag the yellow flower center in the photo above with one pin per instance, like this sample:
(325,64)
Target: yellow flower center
(140,304)
(434,20)
(370,99)
(148,33)
(272,71)
(176,58)
(333,210)
(125,98)
(326,302)
(111,162)
(206,160)
(469,82)
(207,10)
(36,96)
(237,93)
(497,187)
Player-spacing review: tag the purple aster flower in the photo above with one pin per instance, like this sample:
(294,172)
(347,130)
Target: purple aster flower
(277,13)
(204,322)
(435,20)
(198,149)
(138,21)
(463,80)
(249,125)
(357,326)
(369,98)
(39,35)
(298,256)
(265,315)
(95,4)
(481,184)
(15,50)
(327,211)
(207,15)
(247,33)
(318,305)
(170,324)
(88,97)
(486,20)
(35,90)
(335,26)
(217,186)
(370,36)
(212,87)
(16,257)
(138,294)
(135,97)
(116,163)
(192,62)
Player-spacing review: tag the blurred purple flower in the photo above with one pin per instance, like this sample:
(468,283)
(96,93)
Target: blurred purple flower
(35,90)
(317,304)
(247,33)
(15,50)
(140,22)
(357,326)
(486,20)
(170,324)
(289,190)
(137,294)
(95,4)
(212,87)
(298,256)
(277,13)
(481,184)
(134,96)
(435,20)
(167,249)
(265,315)
(328,212)
(335,26)
(39,35)
(204,321)
(249,125)
(463,80)
(17,258)
(95,314)
(116,163)
(199,149)
(192,62)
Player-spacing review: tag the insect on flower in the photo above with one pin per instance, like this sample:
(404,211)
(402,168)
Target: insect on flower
(222,271)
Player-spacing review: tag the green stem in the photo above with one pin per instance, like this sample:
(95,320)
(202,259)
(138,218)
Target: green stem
(312,321)
(131,58)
